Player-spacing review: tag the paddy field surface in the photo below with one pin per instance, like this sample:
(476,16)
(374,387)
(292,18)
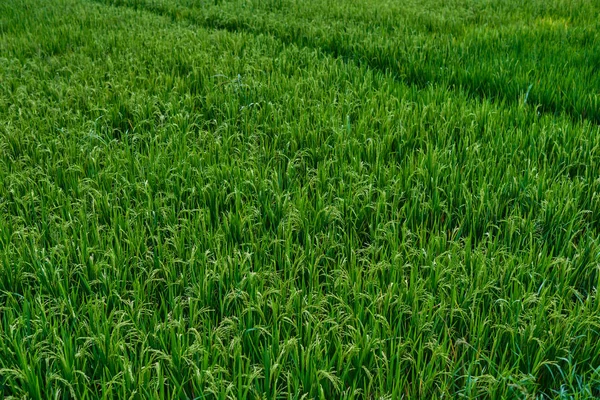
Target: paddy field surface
(286,199)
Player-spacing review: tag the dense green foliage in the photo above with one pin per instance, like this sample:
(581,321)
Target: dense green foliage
(285,199)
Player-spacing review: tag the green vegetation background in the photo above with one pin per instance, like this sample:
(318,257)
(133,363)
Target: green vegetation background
(291,199)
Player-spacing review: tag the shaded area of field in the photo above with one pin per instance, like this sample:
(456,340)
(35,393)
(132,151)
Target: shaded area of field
(278,200)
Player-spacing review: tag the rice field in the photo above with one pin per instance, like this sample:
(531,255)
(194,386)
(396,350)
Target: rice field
(287,199)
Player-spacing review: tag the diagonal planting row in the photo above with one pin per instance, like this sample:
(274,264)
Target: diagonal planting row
(544,54)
